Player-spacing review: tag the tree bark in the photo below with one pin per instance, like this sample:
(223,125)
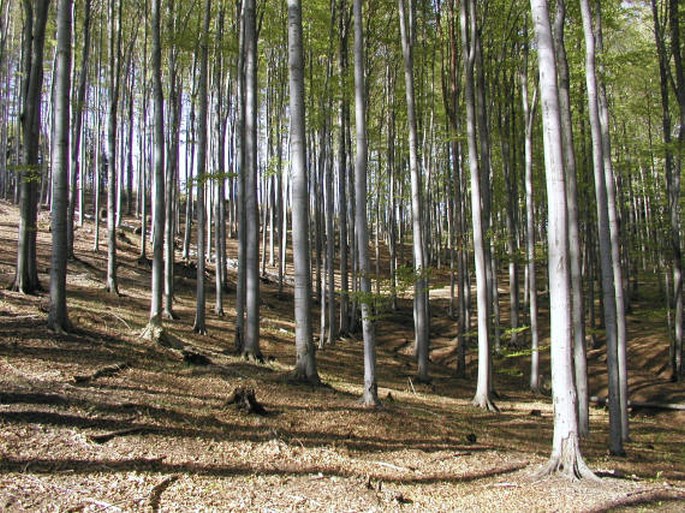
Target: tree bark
(305,362)
(370,394)
(251,347)
(482,398)
(58,320)
(421,319)
(566,458)
(36,15)
(199,325)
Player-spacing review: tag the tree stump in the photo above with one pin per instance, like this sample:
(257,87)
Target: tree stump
(245,400)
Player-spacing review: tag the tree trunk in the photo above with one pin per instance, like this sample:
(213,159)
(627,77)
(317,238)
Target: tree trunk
(58,320)
(482,398)
(251,348)
(603,225)
(155,322)
(579,352)
(175,109)
(305,363)
(370,394)
(566,458)
(76,169)
(421,319)
(36,15)
(199,326)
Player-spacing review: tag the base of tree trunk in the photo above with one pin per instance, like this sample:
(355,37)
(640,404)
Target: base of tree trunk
(567,463)
(300,376)
(169,315)
(200,330)
(370,397)
(485,403)
(252,356)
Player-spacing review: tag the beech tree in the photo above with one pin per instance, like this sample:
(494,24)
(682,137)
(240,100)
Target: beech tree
(370,394)
(305,364)
(251,348)
(114,27)
(421,315)
(199,325)
(469,36)
(35,21)
(155,323)
(58,320)
(566,458)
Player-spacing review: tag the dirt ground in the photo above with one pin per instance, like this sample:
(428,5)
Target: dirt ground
(101,420)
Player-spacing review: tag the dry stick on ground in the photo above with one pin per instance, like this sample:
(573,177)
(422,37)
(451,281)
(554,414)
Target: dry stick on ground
(158,490)
(106,437)
(601,401)
(107,371)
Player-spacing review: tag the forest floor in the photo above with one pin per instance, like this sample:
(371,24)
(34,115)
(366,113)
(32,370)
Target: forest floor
(102,420)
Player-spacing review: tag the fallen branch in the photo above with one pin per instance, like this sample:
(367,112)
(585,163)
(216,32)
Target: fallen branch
(393,467)
(601,401)
(104,372)
(106,437)
(158,490)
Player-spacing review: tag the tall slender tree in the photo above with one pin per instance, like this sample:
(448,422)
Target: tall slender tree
(421,318)
(76,184)
(155,322)
(611,316)
(305,364)
(35,21)
(566,458)
(370,394)
(115,13)
(200,325)
(251,347)
(58,319)
(469,35)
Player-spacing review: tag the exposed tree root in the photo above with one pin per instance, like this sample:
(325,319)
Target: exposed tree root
(169,315)
(253,357)
(300,376)
(568,463)
(485,403)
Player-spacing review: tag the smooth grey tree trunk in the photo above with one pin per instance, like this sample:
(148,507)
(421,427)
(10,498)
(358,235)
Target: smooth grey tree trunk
(58,319)
(251,347)
(421,319)
(566,458)
(115,10)
(615,235)
(603,222)
(199,325)
(76,185)
(172,171)
(35,20)
(154,328)
(482,397)
(529,118)
(579,351)
(305,361)
(370,394)
(343,174)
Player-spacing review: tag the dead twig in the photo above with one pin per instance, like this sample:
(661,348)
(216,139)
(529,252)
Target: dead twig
(106,437)
(104,372)
(158,490)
